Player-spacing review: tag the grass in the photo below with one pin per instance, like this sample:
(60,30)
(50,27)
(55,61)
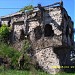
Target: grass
(20,72)
(17,72)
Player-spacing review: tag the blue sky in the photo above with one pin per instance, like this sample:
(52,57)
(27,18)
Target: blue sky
(68,4)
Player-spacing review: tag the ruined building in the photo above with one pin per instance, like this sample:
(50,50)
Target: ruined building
(49,30)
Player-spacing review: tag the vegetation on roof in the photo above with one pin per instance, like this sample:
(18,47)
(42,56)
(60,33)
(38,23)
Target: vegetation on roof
(29,7)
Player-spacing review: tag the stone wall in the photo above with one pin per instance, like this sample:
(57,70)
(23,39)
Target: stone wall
(47,59)
(51,59)
(47,43)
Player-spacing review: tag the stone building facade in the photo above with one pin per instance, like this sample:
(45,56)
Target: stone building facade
(49,30)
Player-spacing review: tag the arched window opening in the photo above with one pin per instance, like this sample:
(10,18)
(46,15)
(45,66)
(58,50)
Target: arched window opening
(48,32)
(9,23)
(38,32)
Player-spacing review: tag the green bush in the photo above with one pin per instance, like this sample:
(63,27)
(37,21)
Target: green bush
(4,32)
(26,51)
(26,46)
(6,50)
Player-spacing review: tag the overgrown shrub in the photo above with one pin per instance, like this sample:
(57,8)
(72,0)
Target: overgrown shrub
(6,50)
(26,46)
(4,33)
(26,50)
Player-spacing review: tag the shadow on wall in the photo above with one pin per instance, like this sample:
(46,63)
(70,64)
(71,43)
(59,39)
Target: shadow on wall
(64,58)
(48,32)
(38,32)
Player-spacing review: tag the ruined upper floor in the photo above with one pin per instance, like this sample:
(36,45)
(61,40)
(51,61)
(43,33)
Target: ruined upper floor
(41,23)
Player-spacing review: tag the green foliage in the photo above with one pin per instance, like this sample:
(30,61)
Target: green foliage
(20,72)
(30,7)
(6,50)
(26,50)
(26,46)
(27,64)
(4,32)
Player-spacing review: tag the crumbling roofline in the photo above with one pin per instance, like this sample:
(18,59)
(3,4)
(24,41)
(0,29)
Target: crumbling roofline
(52,5)
(55,5)
(12,15)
